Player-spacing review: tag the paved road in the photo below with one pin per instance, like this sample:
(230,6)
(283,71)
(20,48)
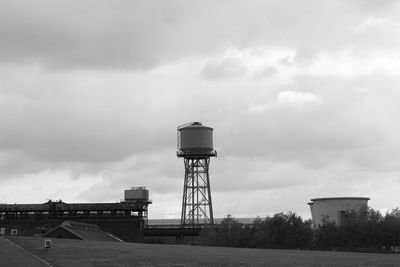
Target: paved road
(12,255)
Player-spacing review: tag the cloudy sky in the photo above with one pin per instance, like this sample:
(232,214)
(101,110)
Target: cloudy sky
(303,97)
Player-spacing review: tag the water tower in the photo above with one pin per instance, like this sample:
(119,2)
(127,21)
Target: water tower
(195,146)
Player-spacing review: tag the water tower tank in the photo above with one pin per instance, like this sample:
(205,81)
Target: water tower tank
(195,138)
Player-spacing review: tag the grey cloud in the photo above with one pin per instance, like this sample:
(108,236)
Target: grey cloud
(14,163)
(376,6)
(83,116)
(141,35)
(267,72)
(116,126)
(342,128)
(226,68)
(100,34)
(86,34)
(304,55)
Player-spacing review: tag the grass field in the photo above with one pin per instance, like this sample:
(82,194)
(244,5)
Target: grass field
(65,252)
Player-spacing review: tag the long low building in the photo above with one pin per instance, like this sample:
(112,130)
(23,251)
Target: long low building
(125,219)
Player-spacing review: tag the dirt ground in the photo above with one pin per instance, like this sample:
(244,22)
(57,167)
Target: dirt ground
(65,252)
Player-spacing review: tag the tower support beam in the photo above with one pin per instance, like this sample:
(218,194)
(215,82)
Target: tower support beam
(196,201)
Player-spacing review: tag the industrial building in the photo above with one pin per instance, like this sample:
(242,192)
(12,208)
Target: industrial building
(332,209)
(125,220)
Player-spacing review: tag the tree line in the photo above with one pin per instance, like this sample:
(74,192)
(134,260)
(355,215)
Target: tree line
(364,230)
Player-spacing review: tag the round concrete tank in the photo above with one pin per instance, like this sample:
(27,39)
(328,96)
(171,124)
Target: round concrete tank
(332,209)
(195,138)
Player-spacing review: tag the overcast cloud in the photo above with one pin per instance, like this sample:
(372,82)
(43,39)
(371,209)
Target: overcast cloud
(302,95)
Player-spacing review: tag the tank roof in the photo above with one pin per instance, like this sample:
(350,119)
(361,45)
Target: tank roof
(194,124)
(340,198)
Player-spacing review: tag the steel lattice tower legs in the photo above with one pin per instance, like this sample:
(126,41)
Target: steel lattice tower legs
(196,203)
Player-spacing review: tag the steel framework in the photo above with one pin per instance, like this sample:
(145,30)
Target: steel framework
(196,204)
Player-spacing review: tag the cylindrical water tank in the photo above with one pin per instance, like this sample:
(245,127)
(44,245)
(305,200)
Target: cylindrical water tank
(136,193)
(195,138)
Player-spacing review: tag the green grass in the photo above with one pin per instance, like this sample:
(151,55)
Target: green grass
(64,252)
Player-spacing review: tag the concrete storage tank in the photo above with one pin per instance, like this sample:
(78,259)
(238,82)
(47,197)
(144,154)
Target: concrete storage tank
(333,208)
(195,138)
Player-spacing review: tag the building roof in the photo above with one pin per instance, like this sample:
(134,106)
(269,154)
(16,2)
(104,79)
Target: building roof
(83,231)
(339,198)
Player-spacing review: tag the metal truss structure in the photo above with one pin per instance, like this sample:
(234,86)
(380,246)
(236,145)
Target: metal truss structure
(196,204)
